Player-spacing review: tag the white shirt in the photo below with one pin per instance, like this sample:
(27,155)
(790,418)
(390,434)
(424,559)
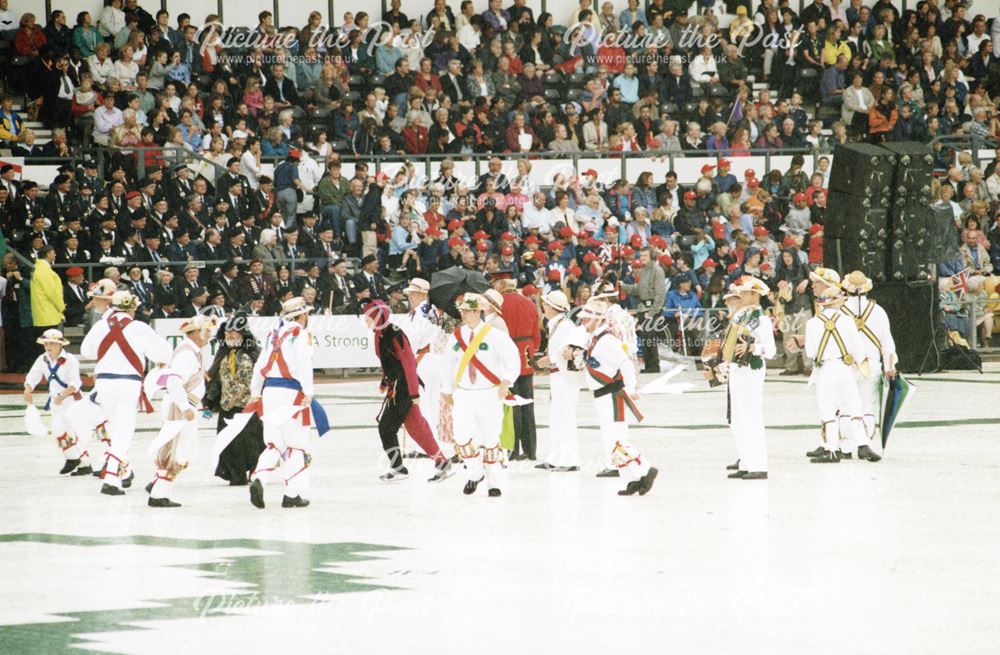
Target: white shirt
(535,218)
(845,328)
(250,169)
(499,356)
(69,373)
(562,333)
(297,351)
(419,326)
(703,70)
(609,355)
(146,344)
(185,365)
(878,323)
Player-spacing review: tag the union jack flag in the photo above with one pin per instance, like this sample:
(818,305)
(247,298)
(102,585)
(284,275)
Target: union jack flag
(961,281)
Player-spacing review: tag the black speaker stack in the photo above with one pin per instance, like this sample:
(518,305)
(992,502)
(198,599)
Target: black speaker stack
(880,221)
(879,218)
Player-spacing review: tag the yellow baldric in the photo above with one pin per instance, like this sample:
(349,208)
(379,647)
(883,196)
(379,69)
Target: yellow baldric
(830,330)
(734,331)
(470,352)
(862,323)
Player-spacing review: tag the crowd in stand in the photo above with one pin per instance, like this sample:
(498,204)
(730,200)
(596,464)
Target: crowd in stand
(157,93)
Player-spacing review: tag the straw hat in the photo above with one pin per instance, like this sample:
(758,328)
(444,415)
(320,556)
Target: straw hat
(594,309)
(471,302)
(418,285)
(556,300)
(856,283)
(102,289)
(124,300)
(750,283)
(197,323)
(52,336)
(294,307)
(826,276)
(494,299)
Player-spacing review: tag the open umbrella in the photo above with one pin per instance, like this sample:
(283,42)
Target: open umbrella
(449,284)
(895,394)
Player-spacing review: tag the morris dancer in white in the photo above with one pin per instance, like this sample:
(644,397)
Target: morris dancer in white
(86,418)
(422,328)
(121,345)
(481,362)
(623,326)
(833,344)
(567,343)
(283,381)
(611,377)
(746,379)
(61,369)
(880,352)
(185,383)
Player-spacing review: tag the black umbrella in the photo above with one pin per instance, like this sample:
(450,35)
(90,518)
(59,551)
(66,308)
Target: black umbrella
(449,284)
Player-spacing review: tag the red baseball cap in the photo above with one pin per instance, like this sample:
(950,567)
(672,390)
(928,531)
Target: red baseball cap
(506,251)
(480,234)
(507,236)
(575,270)
(760,231)
(482,247)
(815,228)
(530,290)
(690,195)
(593,243)
(800,197)
(554,275)
(732,267)
(665,260)
(724,163)
(531,240)
(635,241)
(589,257)
(455,242)
(565,231)
(628,251)
(433,232)
(788,242)
(658,241)
(709,263)
(454,224)
(540,256)
(554,245)
(707,168)
(636,263)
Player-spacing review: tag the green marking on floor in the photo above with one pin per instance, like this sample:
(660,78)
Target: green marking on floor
(286,574)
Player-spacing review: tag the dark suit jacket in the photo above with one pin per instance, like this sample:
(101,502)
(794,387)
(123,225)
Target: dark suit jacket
(74,304)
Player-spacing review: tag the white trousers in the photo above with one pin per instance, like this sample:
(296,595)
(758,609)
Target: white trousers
(64,433)
(119,402)
(615,441)
(839,403)
(868,393)
(429,371)
(478,419)
(182,448)
(746,393)
(564,389)
(286,445)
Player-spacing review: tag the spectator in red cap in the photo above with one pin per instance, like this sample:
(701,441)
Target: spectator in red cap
(690,217)
(75,296)
(799,216)
(724,180)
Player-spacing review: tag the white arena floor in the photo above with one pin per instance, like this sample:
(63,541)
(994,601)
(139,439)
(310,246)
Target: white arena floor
(893,557)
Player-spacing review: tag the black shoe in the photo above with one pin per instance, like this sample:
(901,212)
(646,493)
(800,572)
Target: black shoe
(127,482)
(819,452)
(97,473)
(630,489)
(394,475)
(564,469)
(545,466)
(756,475)
(149,487)
(646,481)
(470,486)
(844,455)
(257,494)
(298,501)
(737,474)
(162,502)
(494,493)
(238,483)
(69,466)
(609,473)
(82,470)
(111,490)
(831,457)
(734,467)
(864,452)
(456,459)
(443,472)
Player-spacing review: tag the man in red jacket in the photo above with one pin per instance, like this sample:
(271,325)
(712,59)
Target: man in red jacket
(522,320)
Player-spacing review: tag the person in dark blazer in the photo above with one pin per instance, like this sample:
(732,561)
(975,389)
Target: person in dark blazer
(75,296)
(369,283)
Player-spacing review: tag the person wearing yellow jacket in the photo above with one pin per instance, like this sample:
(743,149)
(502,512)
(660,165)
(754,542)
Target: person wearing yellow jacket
(47,305)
